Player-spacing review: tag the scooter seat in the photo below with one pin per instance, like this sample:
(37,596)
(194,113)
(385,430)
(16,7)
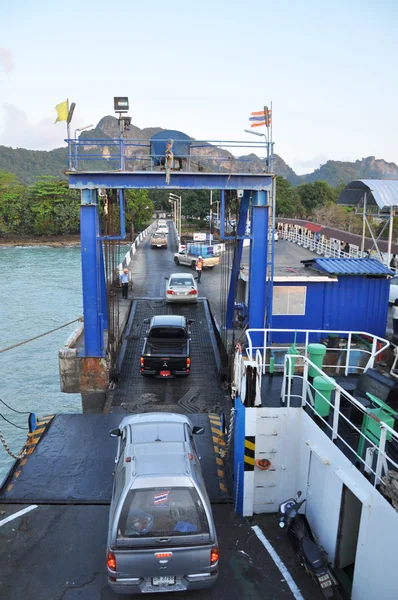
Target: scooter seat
(312,554)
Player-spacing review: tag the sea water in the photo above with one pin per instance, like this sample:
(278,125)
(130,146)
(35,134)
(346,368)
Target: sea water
(40,290)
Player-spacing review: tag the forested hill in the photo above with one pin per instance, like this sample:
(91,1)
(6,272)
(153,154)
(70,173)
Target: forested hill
(29,164)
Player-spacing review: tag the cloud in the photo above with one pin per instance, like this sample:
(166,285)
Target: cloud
(18,132)
(6,60)
(302,167)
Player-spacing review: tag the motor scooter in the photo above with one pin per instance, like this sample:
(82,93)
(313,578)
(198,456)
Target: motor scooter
(311,556)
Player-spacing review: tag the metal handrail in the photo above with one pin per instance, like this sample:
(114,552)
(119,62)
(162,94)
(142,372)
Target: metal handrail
(120,150)
(378,345)
(385,429)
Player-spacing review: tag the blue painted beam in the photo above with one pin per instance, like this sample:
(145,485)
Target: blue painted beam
(91,275)
(103,294)
(180,180)
(244,206)
(258,261)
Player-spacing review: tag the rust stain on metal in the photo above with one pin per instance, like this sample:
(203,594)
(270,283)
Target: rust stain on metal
(94,375)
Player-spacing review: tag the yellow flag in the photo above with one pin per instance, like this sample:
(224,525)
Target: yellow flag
(62,111)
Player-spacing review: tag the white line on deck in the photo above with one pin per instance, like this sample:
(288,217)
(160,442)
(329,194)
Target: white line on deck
(17,514)
(281,566)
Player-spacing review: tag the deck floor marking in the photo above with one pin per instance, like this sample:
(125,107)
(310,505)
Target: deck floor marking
(279,563)
(18,514)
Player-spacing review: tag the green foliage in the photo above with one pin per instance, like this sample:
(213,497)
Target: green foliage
(285,205)
(54,207)
(48,207)
(196,203)
(309,196)
(27,165)
(139,208)
(13,205)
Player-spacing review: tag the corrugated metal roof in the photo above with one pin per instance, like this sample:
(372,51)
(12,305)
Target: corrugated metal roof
(348,266)
(382,192)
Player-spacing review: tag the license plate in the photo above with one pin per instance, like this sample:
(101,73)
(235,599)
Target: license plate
(325,581)
(159,245)
(163,580)
(165,373)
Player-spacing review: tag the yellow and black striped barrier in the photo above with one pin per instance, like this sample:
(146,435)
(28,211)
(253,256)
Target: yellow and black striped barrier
(30,445)
(250,447)
(219,447)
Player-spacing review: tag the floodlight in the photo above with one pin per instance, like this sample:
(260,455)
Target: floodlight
(121,104)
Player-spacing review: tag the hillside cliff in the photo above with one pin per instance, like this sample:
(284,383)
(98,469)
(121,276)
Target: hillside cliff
(29,164)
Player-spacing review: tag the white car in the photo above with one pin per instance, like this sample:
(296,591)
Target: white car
(393,290)
(181,287)
(163,228)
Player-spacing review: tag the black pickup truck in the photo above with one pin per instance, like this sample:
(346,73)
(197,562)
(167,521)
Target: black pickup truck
(166,351)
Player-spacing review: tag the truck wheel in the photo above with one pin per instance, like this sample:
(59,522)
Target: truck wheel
(177,262)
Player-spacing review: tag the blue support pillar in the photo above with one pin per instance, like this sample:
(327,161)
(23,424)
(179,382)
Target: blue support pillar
(91,275)
(244,206)
(104,298)
(258,262)
(222,216)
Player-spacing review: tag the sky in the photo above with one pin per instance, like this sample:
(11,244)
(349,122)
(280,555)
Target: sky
(329,69)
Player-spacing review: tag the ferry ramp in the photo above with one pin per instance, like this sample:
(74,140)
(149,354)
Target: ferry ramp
(55,506)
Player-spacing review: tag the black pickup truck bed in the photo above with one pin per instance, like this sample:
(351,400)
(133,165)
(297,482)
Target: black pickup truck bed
(166,350)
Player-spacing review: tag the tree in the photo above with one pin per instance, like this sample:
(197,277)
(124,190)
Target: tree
(312,195)
(139,208)
(285,206)
(54,207)
(14,213)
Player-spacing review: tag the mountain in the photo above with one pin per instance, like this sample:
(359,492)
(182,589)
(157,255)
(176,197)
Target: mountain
(29,164)
(336,172)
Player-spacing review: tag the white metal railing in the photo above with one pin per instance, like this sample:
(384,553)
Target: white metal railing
(307,399)
(328,247)
(133,248)
(377,345)
(331,248)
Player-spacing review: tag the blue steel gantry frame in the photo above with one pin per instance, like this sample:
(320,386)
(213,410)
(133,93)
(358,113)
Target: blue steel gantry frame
(259,186)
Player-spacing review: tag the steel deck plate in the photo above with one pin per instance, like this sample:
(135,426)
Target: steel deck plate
(199,392)
(73,463)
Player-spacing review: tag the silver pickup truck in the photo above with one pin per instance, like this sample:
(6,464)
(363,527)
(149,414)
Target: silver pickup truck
(185,258)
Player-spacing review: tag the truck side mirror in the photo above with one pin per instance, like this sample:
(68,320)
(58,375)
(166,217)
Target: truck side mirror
(115,433)
(197,429)
(147,321)
(166,278)
(191,321)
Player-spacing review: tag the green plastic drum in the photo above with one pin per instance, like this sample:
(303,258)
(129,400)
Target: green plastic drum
(324,387)
(316,352)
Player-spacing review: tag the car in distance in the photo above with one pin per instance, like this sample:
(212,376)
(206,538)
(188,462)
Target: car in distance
(159,240)
(161,534)
(163,227)
(181,287)
(184,257)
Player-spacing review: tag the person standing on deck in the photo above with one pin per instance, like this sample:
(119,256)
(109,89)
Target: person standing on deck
(124,282)
(199,267)
(395,317)
(394,262)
